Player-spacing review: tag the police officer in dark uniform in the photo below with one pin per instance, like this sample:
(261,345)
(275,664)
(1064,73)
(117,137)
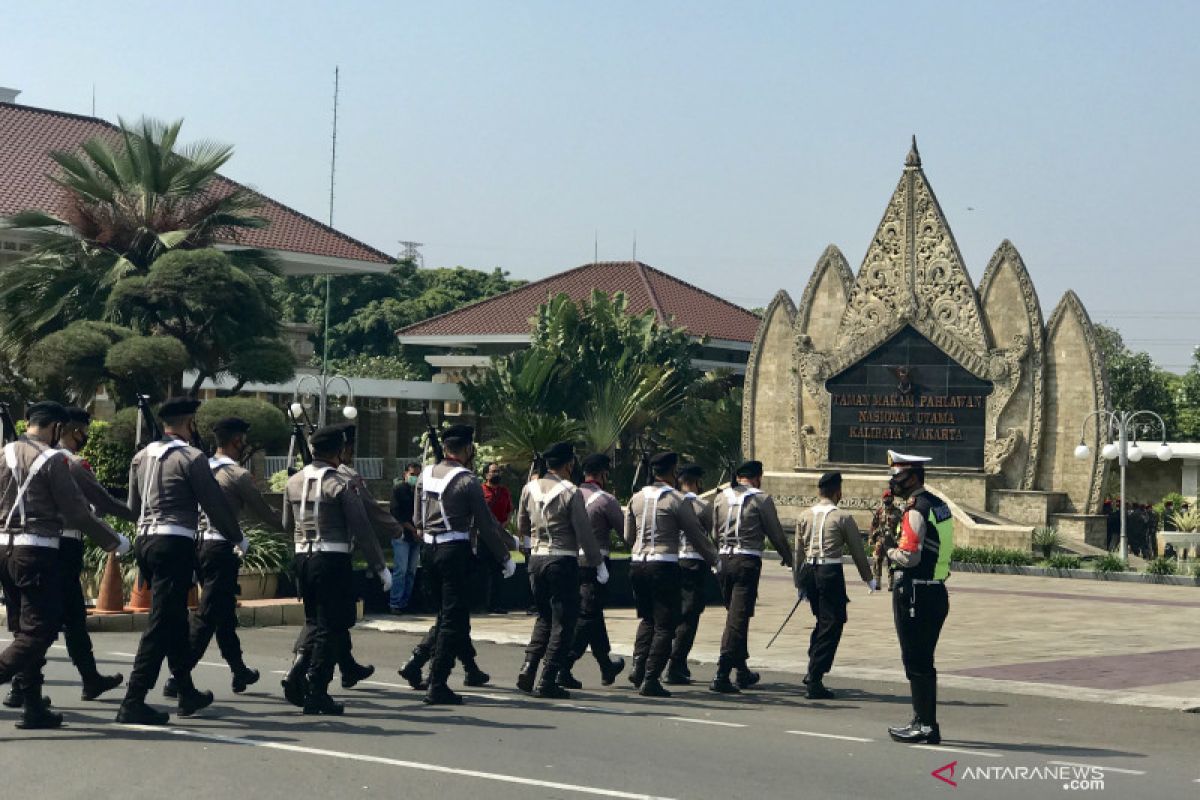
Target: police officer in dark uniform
(693,580)
(325,509)
(70,552)
(552,514)
(744,518)
(38,497)
(170,484)
(919,601)
(659,517)
(449,503)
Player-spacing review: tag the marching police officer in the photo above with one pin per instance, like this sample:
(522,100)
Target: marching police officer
(744,518)
(38,496)
(919,601)
(822,537)
(604,513)
(325,508)
(449,503)
(219,563)
(70,552)
(693,580)
(552,514)
(659,517)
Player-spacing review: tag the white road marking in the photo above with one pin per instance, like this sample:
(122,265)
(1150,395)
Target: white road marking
(395,762)
(964,750)
(831,736)
(1098,766)
(124,655)
(708,722)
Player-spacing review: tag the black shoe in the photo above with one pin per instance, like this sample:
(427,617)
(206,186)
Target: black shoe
(15,698)
(651,687)
(916,733)
(610,671)
(193,701)
(136,712)
(355,673)
(321,704)
(677,676)
(170,689)
(568,681)
(638,673)
(746,678)
(722,684)
(548,686)
(295,683)
(442,695)
(244,678)
(94,687)
(37,716)
(411,672)
(476,677)
(818,691)
(527,676)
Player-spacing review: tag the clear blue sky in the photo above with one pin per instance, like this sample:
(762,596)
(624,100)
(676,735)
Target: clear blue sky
(736,139)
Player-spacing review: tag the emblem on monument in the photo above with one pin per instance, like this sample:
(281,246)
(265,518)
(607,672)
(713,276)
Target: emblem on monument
(905,376)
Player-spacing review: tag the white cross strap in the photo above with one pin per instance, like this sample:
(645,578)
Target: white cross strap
(735,500)
(313,476)
(155,452)
(437,487)
(651,495)
(10,458)
(542,499)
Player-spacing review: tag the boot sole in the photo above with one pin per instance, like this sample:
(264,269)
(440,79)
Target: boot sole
(40,725)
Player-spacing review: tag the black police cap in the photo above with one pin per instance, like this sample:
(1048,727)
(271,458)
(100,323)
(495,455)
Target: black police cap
(175,407)
(558,454)
(458,435)
(349,431)
(596,463)
(830,480)
(329,439)
(75,414)
(47,412)
(231,425)
(663,463)
(691,471)
(750,469)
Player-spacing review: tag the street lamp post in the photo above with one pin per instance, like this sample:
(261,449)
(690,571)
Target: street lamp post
(1122,427)
(323,382)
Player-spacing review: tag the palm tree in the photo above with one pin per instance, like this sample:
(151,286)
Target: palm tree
(127,199)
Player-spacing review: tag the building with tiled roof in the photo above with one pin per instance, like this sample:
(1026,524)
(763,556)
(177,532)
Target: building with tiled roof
(29,135)
(502,323)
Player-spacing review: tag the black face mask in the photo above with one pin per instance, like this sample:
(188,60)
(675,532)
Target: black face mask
(902,484)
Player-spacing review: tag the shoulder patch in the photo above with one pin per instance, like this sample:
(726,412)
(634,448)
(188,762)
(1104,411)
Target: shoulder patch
(941,512)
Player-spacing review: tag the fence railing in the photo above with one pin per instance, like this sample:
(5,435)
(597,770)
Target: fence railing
(369,468)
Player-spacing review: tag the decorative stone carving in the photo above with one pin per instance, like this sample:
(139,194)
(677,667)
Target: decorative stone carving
(1005,374)
(997,451)
(770,405)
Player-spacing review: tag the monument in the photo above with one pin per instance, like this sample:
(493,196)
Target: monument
(908,355)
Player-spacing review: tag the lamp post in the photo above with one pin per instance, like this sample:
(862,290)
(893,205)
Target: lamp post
(1123,426)
(323,382)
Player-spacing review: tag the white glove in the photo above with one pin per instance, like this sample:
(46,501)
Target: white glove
(244,545)
(717,567)
(873,585)
(385,575)
(510,568)
(602,573)
(123,545)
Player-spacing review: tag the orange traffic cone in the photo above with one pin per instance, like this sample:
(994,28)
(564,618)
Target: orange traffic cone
(112,589)
(139,598)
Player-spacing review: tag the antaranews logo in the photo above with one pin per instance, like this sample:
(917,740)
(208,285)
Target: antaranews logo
(1071,778)
(946,773)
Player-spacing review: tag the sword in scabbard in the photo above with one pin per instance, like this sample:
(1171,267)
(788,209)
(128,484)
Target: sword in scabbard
(786,620)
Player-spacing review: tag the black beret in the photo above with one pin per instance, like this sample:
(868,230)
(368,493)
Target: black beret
(178,407)
(558,454)
(596,462)
(231,425)
(664,462)
(329,439)
(349,431)
(693,471)
(830,480)
(458,435)
(750,469)
(77,414)
(47,412)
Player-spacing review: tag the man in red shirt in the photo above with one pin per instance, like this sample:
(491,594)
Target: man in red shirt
(499,501)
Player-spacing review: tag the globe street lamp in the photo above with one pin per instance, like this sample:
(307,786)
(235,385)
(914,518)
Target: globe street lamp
(323,383)
(1123,429)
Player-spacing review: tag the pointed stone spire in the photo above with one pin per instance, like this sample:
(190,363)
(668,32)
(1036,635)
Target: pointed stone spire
(914,156)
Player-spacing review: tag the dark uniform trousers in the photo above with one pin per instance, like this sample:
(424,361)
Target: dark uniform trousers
(30,577)
(168,564)
(693,581)
(656,586)
(739,589)
(74,619)
(217,613)
(326,584)
(825,587)
(554,581)
(919,612)
(590,629)
(448,570)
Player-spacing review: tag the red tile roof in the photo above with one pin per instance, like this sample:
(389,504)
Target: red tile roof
(28,135)
(686,306)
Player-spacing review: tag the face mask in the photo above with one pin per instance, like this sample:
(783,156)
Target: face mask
(83,440)
(412,480)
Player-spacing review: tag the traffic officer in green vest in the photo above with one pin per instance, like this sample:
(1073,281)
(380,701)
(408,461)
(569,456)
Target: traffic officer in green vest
(38,497)
(694,579)
(325,509)
(659,518)
(70,552)
(921,560)
(552,514)
(170,484)
(744,518)
(823,535)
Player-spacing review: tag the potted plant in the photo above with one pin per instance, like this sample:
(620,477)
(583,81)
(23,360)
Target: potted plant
(270,556)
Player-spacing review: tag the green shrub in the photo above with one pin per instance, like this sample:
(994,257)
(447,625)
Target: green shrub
(1110,562)
(1160,566)
(278,481)
(270,553)
(1046,540)
(1160,508)
(992,556)
(108,455)
(269,429)
(1187,520)
(1196,572)
(1063,561)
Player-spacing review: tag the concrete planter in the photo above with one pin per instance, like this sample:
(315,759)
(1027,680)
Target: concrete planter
(1077,574)
(253,586)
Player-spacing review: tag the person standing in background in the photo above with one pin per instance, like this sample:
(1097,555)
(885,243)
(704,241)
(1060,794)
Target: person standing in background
(406,549)
(499,502)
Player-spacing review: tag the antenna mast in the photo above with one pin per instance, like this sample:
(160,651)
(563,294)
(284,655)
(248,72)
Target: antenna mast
(328,291)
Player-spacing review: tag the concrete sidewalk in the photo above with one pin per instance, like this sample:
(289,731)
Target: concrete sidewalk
(1123,643)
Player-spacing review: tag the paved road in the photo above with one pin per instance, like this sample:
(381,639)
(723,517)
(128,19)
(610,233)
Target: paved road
(603,742)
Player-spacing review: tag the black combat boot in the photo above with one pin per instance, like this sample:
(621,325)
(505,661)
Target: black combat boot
(472,674)
(745,677)
(652,687)
(354,672)
(440,694)
(720,682)
(610,668)
(924,727)
(411,671)
(295,683)
(16,695)
(815,689)
(567,680)
(171,689)
(677,674)
(192,700)
(134,711)
(318,702)
(548,686)
(638,673)
(244,678)
(36,714)
(528,674)
(96,684)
